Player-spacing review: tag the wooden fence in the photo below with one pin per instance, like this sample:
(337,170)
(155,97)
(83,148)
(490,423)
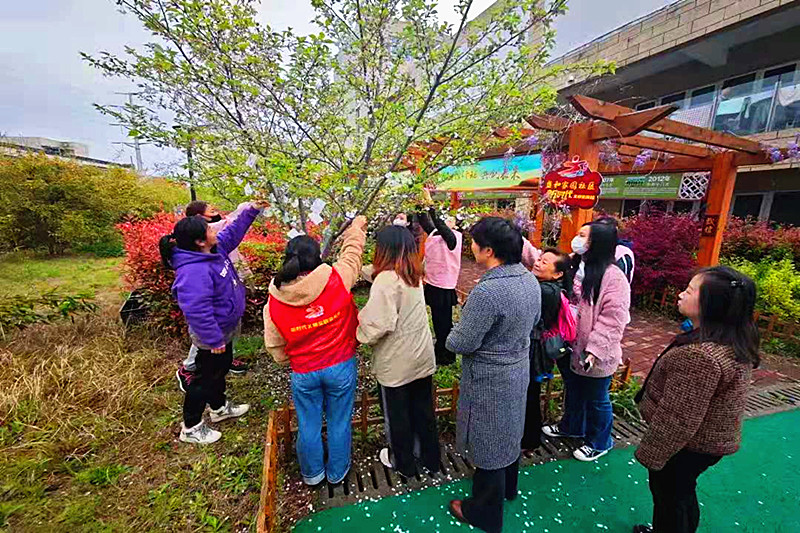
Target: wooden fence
(267,516)
(769,325)
(283,423)
(287,416)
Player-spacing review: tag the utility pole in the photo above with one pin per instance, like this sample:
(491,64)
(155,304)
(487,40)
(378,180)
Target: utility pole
(136,145)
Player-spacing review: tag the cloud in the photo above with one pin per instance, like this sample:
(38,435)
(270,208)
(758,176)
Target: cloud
(47,90)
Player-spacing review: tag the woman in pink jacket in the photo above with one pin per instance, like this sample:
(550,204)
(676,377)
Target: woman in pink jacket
(603,313)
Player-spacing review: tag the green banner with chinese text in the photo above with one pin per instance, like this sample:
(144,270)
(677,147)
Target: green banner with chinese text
(637,186)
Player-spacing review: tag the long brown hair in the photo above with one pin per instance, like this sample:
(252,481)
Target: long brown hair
(397,250)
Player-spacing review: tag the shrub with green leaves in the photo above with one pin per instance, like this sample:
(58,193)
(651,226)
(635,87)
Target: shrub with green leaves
(777,285)
(58,206)
(19,311)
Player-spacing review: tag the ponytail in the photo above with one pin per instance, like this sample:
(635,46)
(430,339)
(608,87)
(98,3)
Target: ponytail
(302,255)
(166,245)
(184,235)
(289,271)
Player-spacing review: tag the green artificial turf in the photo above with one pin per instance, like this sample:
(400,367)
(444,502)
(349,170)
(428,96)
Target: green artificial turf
(756,490)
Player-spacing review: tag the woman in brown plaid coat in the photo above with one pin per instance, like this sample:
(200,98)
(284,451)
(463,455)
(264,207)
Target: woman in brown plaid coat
(695,396)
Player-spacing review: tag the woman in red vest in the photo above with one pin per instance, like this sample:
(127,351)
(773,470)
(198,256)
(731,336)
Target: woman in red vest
(310,323)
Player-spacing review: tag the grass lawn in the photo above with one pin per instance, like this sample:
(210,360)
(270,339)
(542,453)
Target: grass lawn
(27,274)
(89,420)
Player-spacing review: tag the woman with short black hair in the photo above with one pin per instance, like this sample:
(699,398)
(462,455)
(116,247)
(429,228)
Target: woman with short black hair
(696,394)
(493,337)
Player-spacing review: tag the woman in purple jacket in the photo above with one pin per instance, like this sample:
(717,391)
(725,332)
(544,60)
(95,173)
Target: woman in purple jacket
(603,313)
(212,298)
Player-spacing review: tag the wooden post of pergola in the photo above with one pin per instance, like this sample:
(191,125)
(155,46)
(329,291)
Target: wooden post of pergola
(581,145)
(538,216)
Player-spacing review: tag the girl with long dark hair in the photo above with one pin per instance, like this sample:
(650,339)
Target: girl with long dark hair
(395,322)
(310,323)
(212,298)
(603,312)
(695,395)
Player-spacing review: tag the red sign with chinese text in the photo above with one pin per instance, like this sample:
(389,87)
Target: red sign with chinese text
(572,184)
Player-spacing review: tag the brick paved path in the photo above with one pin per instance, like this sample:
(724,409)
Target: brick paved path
(645,337)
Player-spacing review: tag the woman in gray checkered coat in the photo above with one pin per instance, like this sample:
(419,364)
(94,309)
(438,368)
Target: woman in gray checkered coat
(494,338)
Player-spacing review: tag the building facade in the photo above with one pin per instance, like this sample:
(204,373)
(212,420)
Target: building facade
(67,150)
(729,65)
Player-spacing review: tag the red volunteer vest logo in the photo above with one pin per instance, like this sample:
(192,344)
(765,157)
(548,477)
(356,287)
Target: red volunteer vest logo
(322,333)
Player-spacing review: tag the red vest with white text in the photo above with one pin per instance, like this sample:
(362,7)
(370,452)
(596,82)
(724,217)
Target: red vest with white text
(322,333)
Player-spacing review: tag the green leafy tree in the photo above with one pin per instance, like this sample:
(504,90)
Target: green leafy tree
(338,115)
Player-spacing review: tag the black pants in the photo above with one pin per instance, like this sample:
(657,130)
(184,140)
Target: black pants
(484,509)
(208,385)
(532,437)
(410,419)
(441,302)
(675,507)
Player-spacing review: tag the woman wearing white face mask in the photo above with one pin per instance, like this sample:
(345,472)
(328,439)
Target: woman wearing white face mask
(623,253)
(604,297)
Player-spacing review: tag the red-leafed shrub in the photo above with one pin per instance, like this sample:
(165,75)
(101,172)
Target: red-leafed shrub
(143,270)
(755,241)
(665,247)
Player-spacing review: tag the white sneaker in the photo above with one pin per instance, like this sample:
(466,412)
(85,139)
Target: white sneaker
(587,454)
(554,432)
(228,411)
(199,434)
(385,459)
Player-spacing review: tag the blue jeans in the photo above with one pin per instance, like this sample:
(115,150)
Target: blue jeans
(333,390)
(587,408)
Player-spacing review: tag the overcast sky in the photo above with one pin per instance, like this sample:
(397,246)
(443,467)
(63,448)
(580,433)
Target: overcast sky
(46,90)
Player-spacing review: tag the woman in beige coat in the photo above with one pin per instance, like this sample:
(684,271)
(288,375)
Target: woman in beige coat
(395,323)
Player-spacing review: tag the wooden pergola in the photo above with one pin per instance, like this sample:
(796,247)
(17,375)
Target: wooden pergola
(707,150)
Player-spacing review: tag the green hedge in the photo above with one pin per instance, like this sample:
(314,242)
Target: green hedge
(777,285)
(58,206)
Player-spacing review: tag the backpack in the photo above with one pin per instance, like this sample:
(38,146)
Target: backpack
(557,339)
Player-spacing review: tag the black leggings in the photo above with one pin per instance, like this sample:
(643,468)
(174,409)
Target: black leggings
(208,384)
(532,437)
(441,302)
(410,419)
(675,507)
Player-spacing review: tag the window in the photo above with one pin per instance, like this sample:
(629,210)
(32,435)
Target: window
(743,108)
(699,109)
(675,99)
(747,205)
(784,208)
(786,109)
(631,207)
(743,105)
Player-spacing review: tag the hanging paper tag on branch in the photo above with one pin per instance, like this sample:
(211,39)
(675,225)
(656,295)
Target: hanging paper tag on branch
(318,206)
(572,184)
